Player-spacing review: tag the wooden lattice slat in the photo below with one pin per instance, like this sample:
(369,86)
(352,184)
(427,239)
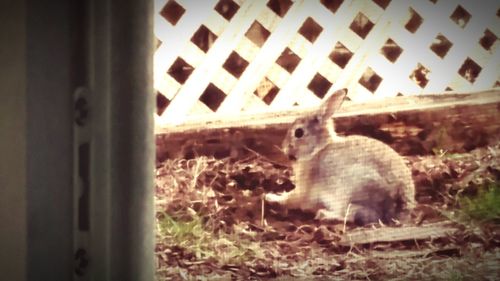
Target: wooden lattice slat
(229,56)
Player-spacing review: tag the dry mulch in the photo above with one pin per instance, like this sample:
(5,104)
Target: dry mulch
(214,225)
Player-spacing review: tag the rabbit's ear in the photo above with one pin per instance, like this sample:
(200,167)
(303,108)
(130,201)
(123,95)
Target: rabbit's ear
(332,103)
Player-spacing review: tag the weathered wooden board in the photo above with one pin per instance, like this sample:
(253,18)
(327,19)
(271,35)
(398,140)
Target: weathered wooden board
(392,234)
(413,125)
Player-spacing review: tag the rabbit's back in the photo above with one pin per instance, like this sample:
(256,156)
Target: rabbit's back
(355,164)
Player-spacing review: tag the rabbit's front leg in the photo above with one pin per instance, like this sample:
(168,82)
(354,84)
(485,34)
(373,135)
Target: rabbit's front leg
(275,198)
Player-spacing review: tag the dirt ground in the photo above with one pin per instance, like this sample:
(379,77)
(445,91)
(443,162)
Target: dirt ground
(212,224)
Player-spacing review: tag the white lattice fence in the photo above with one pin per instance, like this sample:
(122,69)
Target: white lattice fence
(230,56)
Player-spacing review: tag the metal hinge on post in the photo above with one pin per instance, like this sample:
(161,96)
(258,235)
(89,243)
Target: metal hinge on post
(81,182)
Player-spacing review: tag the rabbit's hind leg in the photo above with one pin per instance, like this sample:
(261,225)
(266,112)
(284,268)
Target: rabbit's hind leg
(334,207)
(362,215)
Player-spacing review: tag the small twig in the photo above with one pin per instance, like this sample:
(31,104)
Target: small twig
(262,210)
(257,154)
(345,217)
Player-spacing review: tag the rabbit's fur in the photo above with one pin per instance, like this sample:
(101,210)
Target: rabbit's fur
(355,178)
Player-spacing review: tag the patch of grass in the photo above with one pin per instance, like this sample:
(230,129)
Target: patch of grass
(476,210)
(191,217)
(184,234)
(485,206)
(198,238)
(455,276)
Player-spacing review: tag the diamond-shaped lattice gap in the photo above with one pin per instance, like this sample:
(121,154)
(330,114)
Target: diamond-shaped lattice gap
(212,97)
(319,85)
(469,70)
(391,50)
(203,38)
(441,45)
(227,8)
(257,33)
(370,80)
(332,5)
(361,25)
(419,75)
(340,55)
(172,12)
(310,29)
(460,16)
(288,60)
(266,91)
(180,70)
(382,3)
(488,39)
(280,7)
(235,64)
(161,103)
(414,22)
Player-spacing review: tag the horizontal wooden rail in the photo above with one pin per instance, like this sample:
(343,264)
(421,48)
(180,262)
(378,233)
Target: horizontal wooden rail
(393,234)
(412,125)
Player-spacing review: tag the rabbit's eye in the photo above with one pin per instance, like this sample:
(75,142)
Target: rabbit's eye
(298,133)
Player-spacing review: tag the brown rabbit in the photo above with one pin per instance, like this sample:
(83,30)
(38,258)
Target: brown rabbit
(356,178)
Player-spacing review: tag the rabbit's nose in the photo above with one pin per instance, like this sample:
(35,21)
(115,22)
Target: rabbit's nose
(292,157)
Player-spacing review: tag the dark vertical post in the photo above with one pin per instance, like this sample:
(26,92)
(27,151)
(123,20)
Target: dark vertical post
(49,142)
(54,50)
(122,141)
(13,230)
